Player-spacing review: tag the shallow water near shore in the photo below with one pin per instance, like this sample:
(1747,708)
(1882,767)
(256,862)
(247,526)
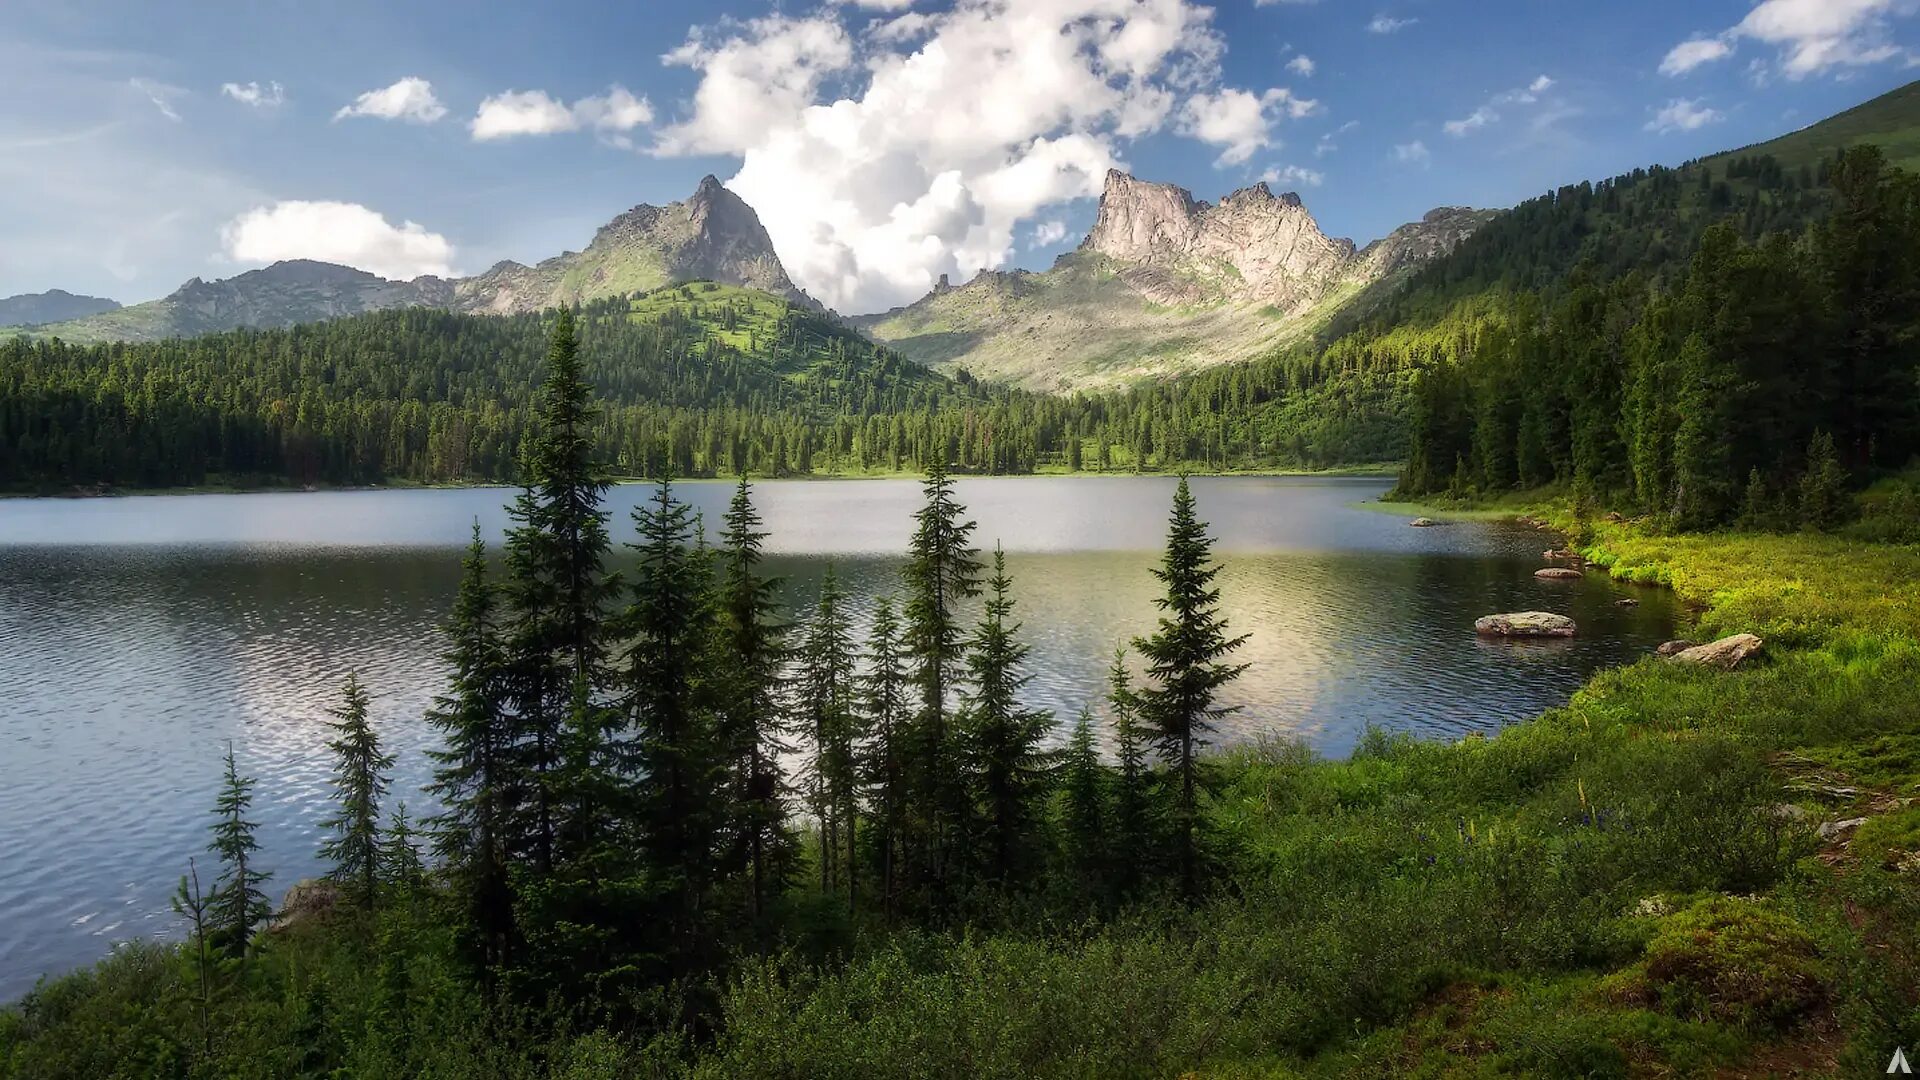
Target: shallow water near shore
(140,634)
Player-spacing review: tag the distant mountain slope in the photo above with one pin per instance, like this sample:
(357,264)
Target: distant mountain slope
(1162,284)
(712,235)
(1890,121)
(54,305)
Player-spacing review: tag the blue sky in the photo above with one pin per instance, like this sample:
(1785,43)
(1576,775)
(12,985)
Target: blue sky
(883,141)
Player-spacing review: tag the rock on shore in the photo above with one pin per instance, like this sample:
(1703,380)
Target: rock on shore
(1726,654)
(1525,624)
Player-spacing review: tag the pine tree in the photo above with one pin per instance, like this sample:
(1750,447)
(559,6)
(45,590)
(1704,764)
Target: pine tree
(680,808)
(884,758)
(401,868)
(1823,486)
(1134,832)
(1185,659)
(1007,767)
(754,642)
(196,906)
(472,780)
(359,779)
(1083,809)
(824,689)
(239,904)
(942,572)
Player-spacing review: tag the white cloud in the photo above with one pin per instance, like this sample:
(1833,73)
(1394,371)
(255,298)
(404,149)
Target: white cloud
(1047,234)
(161,94)
(1489,114)
(1240,121)
(1683,114)
(1293,176)
(411,99)
(336,232)
(1413,153)
(1810,36)
(883,157)
(1387,24)
(1302,66)
(1478,119)
(534,112)
(255,95)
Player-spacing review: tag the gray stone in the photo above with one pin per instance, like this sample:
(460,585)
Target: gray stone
(1726,654)
(1525,624)
(1558,573)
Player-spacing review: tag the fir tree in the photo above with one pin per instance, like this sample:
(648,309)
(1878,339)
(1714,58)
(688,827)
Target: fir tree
(359,779)
(1185,659)
(239,903)
(942,572)
(1007,766)
(401,868)
(754,642)
(1134,833)
(197,907)
(824,685)
(883,764)
(1083,808)
(680,809)
(471,778)
(1823,486)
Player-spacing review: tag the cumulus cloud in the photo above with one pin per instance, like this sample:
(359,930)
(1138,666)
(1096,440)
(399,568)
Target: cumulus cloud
(1683,114)
(1810,36)
(534,112)
(1387,24)
(255,95)
(1240,121)
(1302,66)
(1413,153)
(1293,176)
(336,232)
(411,99)
(883,153)
(1047,234)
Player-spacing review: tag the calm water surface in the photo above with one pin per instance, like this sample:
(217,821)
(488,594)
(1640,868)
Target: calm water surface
(137,635)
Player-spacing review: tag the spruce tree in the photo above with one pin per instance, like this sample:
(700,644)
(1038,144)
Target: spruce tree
(884,758)
(1186,662)
(472,779)
(1134,834)
(754,642)
(679,805)
(196,905)
(239,903)
(824,691)
(1823,486)
(942,572)
(1006,764)
(401,869)
(1083,809)
(359,779)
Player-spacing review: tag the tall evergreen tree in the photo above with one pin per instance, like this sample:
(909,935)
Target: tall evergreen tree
(942,572)
(680,807)
(359,779)
(754,644)
(1007,765)
(1083,809)
(824,685)
(1186,661)
(471,777)
(884,758)
(1134,837)
(239,903)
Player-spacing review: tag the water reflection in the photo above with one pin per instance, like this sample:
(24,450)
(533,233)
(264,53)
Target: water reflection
(139,635)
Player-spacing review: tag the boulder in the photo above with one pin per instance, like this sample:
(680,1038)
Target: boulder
(1673,648)
(311,900)
(1525,624)
(1560,555)
(1726,654)
(1423,523)
(1558,573)
(1626,601)
(1835,830)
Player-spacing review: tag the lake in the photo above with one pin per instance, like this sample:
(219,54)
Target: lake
(138,635)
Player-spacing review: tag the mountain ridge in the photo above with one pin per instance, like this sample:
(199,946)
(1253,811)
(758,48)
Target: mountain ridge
(53,305)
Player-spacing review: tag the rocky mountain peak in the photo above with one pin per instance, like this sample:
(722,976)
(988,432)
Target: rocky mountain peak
(54,305)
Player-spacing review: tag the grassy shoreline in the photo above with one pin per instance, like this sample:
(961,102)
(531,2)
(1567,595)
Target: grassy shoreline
(1634,884)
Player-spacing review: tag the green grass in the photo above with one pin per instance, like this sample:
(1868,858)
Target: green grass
(1891,121)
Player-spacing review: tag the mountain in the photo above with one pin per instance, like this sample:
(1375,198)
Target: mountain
(1890,121)
(54,305)
(711,236)
(1162,283)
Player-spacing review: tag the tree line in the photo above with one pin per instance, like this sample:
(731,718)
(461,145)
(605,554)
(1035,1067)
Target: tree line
(1766,381)
(628,763)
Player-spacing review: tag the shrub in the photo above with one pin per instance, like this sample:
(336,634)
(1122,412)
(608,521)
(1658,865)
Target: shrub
(1729,960)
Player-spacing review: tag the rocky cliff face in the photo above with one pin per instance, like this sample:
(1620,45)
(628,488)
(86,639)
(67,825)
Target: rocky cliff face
(54,305)
(1254,246)
(1420,242)
(712,236)
(296,291)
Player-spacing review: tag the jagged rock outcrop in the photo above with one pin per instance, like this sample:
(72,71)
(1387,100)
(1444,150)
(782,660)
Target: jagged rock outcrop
(54,305)
(1162,283)
(712,236)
